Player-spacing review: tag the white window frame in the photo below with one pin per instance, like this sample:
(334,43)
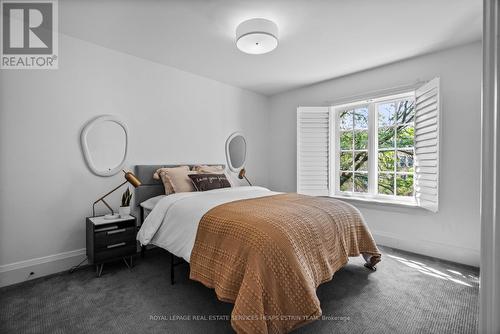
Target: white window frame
(372,194)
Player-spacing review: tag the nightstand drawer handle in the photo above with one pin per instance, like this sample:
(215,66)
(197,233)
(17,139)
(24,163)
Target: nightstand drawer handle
(117,231)
(105,228)
(117,245)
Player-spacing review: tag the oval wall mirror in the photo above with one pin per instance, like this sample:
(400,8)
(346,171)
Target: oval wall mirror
(104,143)
(236,151)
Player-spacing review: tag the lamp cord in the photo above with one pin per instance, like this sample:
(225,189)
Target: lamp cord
(75,268)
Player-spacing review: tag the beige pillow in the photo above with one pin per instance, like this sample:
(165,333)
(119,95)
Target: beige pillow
(175,179)
(209,169)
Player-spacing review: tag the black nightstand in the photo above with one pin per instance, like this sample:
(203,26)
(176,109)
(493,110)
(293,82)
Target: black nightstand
(109,240)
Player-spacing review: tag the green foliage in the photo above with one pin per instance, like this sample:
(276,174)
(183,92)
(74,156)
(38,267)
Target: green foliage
(386,161)
(404,185)
(405,136)
(385,137)
(346,182)
(126,197)
(346,161)
(361,140)
(361,182)
(346,140)
(386,184)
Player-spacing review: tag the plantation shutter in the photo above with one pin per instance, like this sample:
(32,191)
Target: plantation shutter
(427,111)
(313,136)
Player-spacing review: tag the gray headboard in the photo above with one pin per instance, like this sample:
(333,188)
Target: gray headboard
(150,187)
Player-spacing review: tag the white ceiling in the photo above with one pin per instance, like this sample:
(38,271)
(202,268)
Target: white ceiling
(319,40)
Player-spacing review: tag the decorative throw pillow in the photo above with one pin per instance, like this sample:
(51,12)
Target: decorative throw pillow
(175,179)
(204,182)
(204,169)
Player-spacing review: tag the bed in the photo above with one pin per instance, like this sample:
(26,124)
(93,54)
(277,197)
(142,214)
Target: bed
(264,251)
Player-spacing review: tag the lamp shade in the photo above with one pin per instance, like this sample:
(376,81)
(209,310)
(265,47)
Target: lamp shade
(242,173)
(257,36)
(132,179)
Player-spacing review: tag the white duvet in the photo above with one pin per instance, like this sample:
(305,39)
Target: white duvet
(173,222)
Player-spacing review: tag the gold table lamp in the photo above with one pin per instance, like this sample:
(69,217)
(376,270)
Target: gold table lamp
(130,178)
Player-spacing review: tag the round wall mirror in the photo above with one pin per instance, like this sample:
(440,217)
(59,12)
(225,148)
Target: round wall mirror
(236,151)
(104,143)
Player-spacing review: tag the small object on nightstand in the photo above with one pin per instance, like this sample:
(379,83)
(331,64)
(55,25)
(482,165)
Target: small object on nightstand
(109,240)
(124,209)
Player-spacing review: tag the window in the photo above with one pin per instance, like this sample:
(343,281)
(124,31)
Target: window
(388,125)
(395,139)
(382,148)
(352,152)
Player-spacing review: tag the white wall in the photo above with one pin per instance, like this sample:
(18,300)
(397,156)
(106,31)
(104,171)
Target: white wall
(454,232)
(46,190)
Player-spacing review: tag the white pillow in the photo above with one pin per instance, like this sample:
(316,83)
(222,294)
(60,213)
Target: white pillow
(149,204)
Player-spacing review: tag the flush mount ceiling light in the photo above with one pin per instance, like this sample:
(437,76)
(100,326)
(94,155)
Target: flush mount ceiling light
(257,36)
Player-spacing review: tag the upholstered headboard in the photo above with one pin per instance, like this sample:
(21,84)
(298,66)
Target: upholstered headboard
(150,187)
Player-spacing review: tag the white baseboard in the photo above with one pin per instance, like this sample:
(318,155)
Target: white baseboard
(20,271)
(438,250)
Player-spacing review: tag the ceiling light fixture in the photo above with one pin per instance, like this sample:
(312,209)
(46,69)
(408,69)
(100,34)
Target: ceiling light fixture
(257,36)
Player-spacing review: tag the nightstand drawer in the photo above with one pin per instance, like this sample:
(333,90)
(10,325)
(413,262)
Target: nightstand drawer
(119,249)
(115,236)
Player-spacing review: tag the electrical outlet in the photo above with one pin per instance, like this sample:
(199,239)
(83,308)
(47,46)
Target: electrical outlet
(32,273)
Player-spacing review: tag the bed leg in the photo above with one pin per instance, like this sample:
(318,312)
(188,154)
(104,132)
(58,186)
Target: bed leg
(369,266)
(371,261)
(172,258)
(143,251)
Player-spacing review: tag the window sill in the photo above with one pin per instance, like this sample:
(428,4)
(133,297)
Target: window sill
(383,201)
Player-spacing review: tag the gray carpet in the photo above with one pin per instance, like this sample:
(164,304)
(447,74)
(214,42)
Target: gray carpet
(407,294)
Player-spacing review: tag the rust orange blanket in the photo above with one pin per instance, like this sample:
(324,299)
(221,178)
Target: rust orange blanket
(268,255)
